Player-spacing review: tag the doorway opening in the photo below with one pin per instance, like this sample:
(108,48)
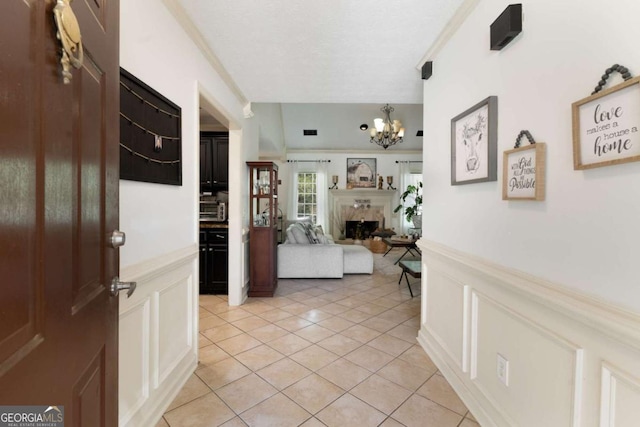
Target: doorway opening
(213,206)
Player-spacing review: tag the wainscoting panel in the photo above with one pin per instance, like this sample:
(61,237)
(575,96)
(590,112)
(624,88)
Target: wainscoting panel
(174,308)
(523,343)
(568,359)
(133,371)
(445,316)
(620,398)
(158,335)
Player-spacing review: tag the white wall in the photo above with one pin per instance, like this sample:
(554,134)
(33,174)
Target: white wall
(154,48)
(385,164)
(159,324)
(585,235)
(551,286)
(269,118)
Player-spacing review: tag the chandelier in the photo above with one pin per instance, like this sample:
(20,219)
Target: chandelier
(386,132)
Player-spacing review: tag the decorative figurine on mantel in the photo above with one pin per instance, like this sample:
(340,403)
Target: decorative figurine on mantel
(380,182)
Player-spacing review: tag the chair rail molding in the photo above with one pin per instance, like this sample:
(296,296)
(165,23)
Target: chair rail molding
(475,312)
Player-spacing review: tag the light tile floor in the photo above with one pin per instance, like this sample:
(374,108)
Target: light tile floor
(320,353)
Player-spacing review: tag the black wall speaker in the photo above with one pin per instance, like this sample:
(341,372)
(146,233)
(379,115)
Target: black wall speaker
(427,70)
(506,26)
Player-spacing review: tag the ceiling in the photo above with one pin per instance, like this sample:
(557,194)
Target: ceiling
(360,55)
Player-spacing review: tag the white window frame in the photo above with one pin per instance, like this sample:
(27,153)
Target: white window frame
(300,211)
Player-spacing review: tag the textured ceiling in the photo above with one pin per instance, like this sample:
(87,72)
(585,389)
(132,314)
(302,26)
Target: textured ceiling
(327,51)
(328,65)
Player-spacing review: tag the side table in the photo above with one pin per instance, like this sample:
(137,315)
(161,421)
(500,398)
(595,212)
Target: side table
(395,242)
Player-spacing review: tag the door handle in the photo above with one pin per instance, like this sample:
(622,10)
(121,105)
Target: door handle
(117,239)
(117,286)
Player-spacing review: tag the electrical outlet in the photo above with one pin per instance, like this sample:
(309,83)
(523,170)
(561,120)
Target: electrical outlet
(502,368)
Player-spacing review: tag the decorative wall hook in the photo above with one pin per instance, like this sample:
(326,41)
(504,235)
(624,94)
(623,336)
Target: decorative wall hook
(626,75)
(69,35)
(521,134)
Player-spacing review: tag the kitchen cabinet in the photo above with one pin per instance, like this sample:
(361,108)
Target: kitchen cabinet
(214,261)
(214,161)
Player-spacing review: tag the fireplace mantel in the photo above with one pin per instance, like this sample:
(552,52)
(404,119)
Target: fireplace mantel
(383,199)
(363,193)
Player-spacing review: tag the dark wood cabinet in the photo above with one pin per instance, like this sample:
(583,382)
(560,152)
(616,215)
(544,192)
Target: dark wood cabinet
(206,166)
(214,261)
(263,233)
(220,153)
(214,161)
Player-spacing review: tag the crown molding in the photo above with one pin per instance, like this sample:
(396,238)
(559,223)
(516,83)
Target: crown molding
(181,17)
(449,30)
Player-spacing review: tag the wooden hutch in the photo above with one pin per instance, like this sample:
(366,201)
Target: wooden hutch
(263,228)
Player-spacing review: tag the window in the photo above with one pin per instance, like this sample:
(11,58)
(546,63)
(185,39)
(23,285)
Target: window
(307,196)
(411,179)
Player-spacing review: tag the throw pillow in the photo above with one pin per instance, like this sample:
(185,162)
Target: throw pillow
(290,237)
(322,239)
(309,231)
(298,233)
(320,236)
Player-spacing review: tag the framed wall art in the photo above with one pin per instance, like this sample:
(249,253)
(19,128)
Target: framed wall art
(474,142)
(523,171)
(361,173)
(605,126)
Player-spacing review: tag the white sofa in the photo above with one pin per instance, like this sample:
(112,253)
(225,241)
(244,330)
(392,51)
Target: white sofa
(298,258)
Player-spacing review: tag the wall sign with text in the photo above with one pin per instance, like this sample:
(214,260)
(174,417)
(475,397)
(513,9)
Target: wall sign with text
(523,173)
(606,127)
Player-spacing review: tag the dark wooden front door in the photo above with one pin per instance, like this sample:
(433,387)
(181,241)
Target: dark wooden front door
(58,206)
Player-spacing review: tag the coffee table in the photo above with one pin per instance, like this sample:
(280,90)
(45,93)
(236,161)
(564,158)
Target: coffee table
(409,244)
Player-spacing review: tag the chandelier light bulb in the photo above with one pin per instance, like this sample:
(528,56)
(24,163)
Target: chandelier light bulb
(378,124)
(387,132)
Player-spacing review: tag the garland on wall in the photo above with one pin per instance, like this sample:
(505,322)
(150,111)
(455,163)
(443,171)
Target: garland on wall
(149,159)
(144,101)
(145,130)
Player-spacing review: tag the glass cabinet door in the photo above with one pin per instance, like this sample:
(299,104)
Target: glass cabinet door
(264,189)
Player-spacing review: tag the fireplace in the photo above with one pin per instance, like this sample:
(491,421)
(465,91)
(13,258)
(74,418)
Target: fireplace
(360,204)
(368,227)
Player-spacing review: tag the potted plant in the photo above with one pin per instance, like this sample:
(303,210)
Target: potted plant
(412,211)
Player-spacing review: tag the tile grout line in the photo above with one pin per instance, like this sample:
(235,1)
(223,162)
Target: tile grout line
(400,307)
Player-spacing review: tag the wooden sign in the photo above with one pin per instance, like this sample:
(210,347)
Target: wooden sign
(523,173)
(605,127)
